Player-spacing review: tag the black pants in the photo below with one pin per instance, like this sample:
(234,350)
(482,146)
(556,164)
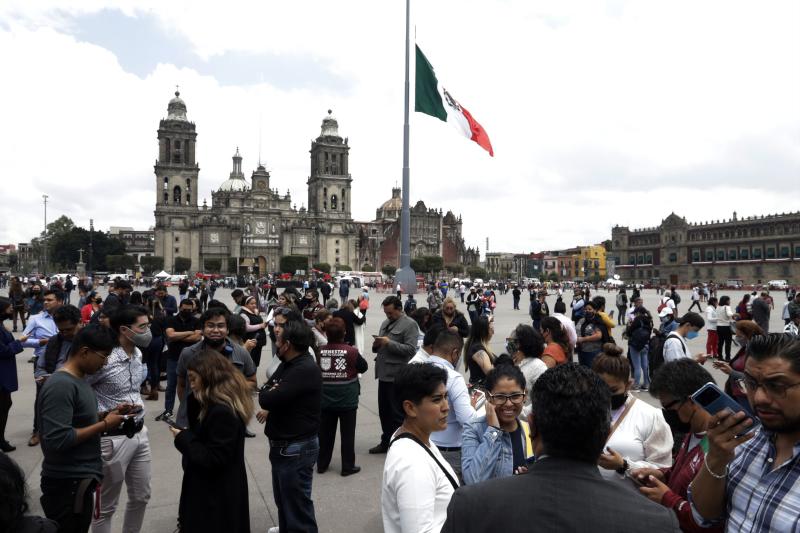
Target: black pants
(152,355)
(36,406)
(621,309)
(697,303)
(388,411)
(724,336)
(5,407)
(255,354)
(327,437)
(62,501)
(18,312)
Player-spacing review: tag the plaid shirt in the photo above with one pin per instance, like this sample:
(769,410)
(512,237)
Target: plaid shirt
(119,381)
(758,497)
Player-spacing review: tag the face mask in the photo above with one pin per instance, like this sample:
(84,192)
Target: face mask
(511,346)
(618,400)
(215,343)
(675,422)
(185,313)
(692,335)
(141,340)
(588,314)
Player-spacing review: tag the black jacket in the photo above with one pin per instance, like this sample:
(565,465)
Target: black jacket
(350,320)
(214,494)
(459,321)
(556,495)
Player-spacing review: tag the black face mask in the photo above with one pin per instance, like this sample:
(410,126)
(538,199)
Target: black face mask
(675,422)
(185,313)
(618,400)
(215,343)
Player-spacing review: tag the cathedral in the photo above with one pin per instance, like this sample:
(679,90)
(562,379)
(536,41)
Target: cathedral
(250,225)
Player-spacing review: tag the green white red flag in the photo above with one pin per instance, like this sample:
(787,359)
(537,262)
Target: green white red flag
(433,99)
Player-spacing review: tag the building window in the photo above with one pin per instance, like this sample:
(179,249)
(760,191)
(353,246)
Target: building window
(709,255)
(166,183)
(673,258)
(655,273)
(695,256)
(720,255)
(784,252)
(797,251)
(166,197)
(336,251)
(731,255)
(337,241)
(756,253)
(176,195)
(770,253)
(177,239)
(177,250)
(744,254)
(334,202)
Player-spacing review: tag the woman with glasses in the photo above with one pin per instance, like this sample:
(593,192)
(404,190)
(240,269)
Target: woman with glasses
(745,331)
(498,444)
(639,436)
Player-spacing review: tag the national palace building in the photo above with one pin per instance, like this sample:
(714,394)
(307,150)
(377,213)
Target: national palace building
(750,249)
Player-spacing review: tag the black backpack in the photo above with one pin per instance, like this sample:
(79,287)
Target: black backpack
(655,354)
(639,335)
(676,297)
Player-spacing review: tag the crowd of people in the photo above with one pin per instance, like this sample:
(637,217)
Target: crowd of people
(554,422)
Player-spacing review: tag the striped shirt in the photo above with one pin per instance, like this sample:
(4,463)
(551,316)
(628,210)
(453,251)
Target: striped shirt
(760,498)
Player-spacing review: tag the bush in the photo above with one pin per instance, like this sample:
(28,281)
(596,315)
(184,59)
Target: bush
(212,265)
(291,263)
(434,263)
(324,267)
(233,265)
(455,268)
(552,276)
(366,267)
(345,267)
(418,264)
(477,272)
(389,270)
(119,263)
(182,264)
(151,264)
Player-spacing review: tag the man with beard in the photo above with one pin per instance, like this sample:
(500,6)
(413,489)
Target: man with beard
(450,318)
(751,481)
(214,323)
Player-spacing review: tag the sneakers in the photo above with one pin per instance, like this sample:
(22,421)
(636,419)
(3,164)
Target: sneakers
(163,416)
(249,434)
(274,530)
(646,388)
(380,448)
(34,440)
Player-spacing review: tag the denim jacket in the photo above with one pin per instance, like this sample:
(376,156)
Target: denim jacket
(486,451)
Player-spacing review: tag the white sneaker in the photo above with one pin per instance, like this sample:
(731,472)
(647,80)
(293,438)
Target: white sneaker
(274,530)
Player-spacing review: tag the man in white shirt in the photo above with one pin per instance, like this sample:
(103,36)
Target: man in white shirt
(695,300)
(425,351)
(446,353)
(676,347)
(559,312)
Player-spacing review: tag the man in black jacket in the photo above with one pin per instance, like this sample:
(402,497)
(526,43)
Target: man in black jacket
(563,490)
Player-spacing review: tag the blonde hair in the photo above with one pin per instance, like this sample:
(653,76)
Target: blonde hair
(222,383)
(449,300)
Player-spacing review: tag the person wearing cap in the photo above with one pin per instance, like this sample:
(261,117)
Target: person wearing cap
(676,347)
(668,323)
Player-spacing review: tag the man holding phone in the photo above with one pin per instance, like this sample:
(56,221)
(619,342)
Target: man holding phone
(751,481)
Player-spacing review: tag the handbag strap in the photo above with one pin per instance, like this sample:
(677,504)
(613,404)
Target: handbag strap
(450,478)
(627,410)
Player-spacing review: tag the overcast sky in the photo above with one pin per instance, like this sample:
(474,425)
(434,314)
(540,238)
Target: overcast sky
(600,113)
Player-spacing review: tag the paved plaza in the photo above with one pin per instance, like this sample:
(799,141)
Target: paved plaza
(345,505)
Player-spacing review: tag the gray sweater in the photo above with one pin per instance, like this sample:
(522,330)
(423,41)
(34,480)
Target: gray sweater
(403,334)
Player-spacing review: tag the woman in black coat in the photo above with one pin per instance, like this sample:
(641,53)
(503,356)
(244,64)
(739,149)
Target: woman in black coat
(214,493)
(9,348)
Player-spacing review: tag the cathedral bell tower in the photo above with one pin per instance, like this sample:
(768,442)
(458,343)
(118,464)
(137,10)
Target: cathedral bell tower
(329,182)
(176,170)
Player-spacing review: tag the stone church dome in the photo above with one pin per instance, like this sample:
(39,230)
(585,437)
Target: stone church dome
(236,181)
(395,202)
(176,110)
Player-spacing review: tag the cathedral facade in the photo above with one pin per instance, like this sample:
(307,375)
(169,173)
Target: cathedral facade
(250,225)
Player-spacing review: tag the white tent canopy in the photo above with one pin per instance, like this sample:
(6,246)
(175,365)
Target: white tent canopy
(162,274)
(616,282)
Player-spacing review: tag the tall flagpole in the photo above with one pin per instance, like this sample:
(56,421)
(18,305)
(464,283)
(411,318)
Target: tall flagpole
(405,276)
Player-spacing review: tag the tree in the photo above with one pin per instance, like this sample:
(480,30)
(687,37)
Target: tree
(59,226)
(119,263)
(324,267)
(212,265)
(552,276)
(233,265)
(366,267)
(291,263)
(455,268)
(151,263)
(13,260)
(607,245)
(63,248)
(389,270)
(183,264)
(477,272)
(434,263)
(418,264)
(345,268)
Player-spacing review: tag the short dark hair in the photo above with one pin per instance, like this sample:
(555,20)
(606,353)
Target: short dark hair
(120,283)
(415,382)
(14,491)
(394,301)
(679,379)
(186,301)
(67,313)
(447,341)
(529,341)
(336,329)
(237,326)
(298,334)
(125,316)
(213,312)
(693,319)
(55,292)
(95,337)
(504,368)
(599,302)
(571,409)
(430,336)
(724,300)
(217,304)
(611,362)
(781,345)
(560,306)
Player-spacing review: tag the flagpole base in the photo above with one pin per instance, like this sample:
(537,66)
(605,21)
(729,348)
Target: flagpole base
(407,279)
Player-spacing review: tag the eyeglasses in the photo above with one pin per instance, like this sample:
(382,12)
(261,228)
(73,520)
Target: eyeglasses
(673,404)
(102,356)
(500,399)
(776,389)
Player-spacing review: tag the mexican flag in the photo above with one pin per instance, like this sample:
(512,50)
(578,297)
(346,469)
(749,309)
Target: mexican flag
(433,99)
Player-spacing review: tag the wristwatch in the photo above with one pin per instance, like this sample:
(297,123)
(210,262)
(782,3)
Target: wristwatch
(624,468)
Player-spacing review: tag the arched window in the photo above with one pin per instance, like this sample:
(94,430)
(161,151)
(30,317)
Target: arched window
(166,197)
(343,202)
(166,183)
(334,202)
(176,195)
(177,145)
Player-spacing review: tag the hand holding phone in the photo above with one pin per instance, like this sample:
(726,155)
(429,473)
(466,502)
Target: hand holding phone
(714,400)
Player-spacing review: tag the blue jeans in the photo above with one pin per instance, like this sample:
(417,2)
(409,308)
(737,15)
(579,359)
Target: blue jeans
(640,366)
(292,473)
(586,358)
(172,384)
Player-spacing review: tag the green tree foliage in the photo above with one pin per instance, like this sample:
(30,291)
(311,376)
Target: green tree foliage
(152,264)
(607,245)
(291,263)
(182,264)
(366,267)
(345,268)
(455,268)
(552,276)
(418,264)
(233,265)
(434,263)
(63,248)
(212,265)
(477,272)
(119,263)
(59,226)
(324,267)
(389,270)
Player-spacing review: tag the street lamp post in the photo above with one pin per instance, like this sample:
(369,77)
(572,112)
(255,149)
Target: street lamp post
(91,231)
(44,240)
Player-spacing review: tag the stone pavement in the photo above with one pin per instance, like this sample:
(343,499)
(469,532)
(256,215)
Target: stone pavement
(345,505)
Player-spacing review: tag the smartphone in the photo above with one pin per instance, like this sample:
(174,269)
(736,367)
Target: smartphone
(480,398)
(713,399)
(171,423)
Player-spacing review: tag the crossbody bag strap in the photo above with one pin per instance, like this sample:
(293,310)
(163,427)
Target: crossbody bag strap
(450,478)
(627,410)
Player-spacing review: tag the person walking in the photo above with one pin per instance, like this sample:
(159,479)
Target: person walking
(516,294)
(214,495)
(622,306)
(340,363)
(695,300)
